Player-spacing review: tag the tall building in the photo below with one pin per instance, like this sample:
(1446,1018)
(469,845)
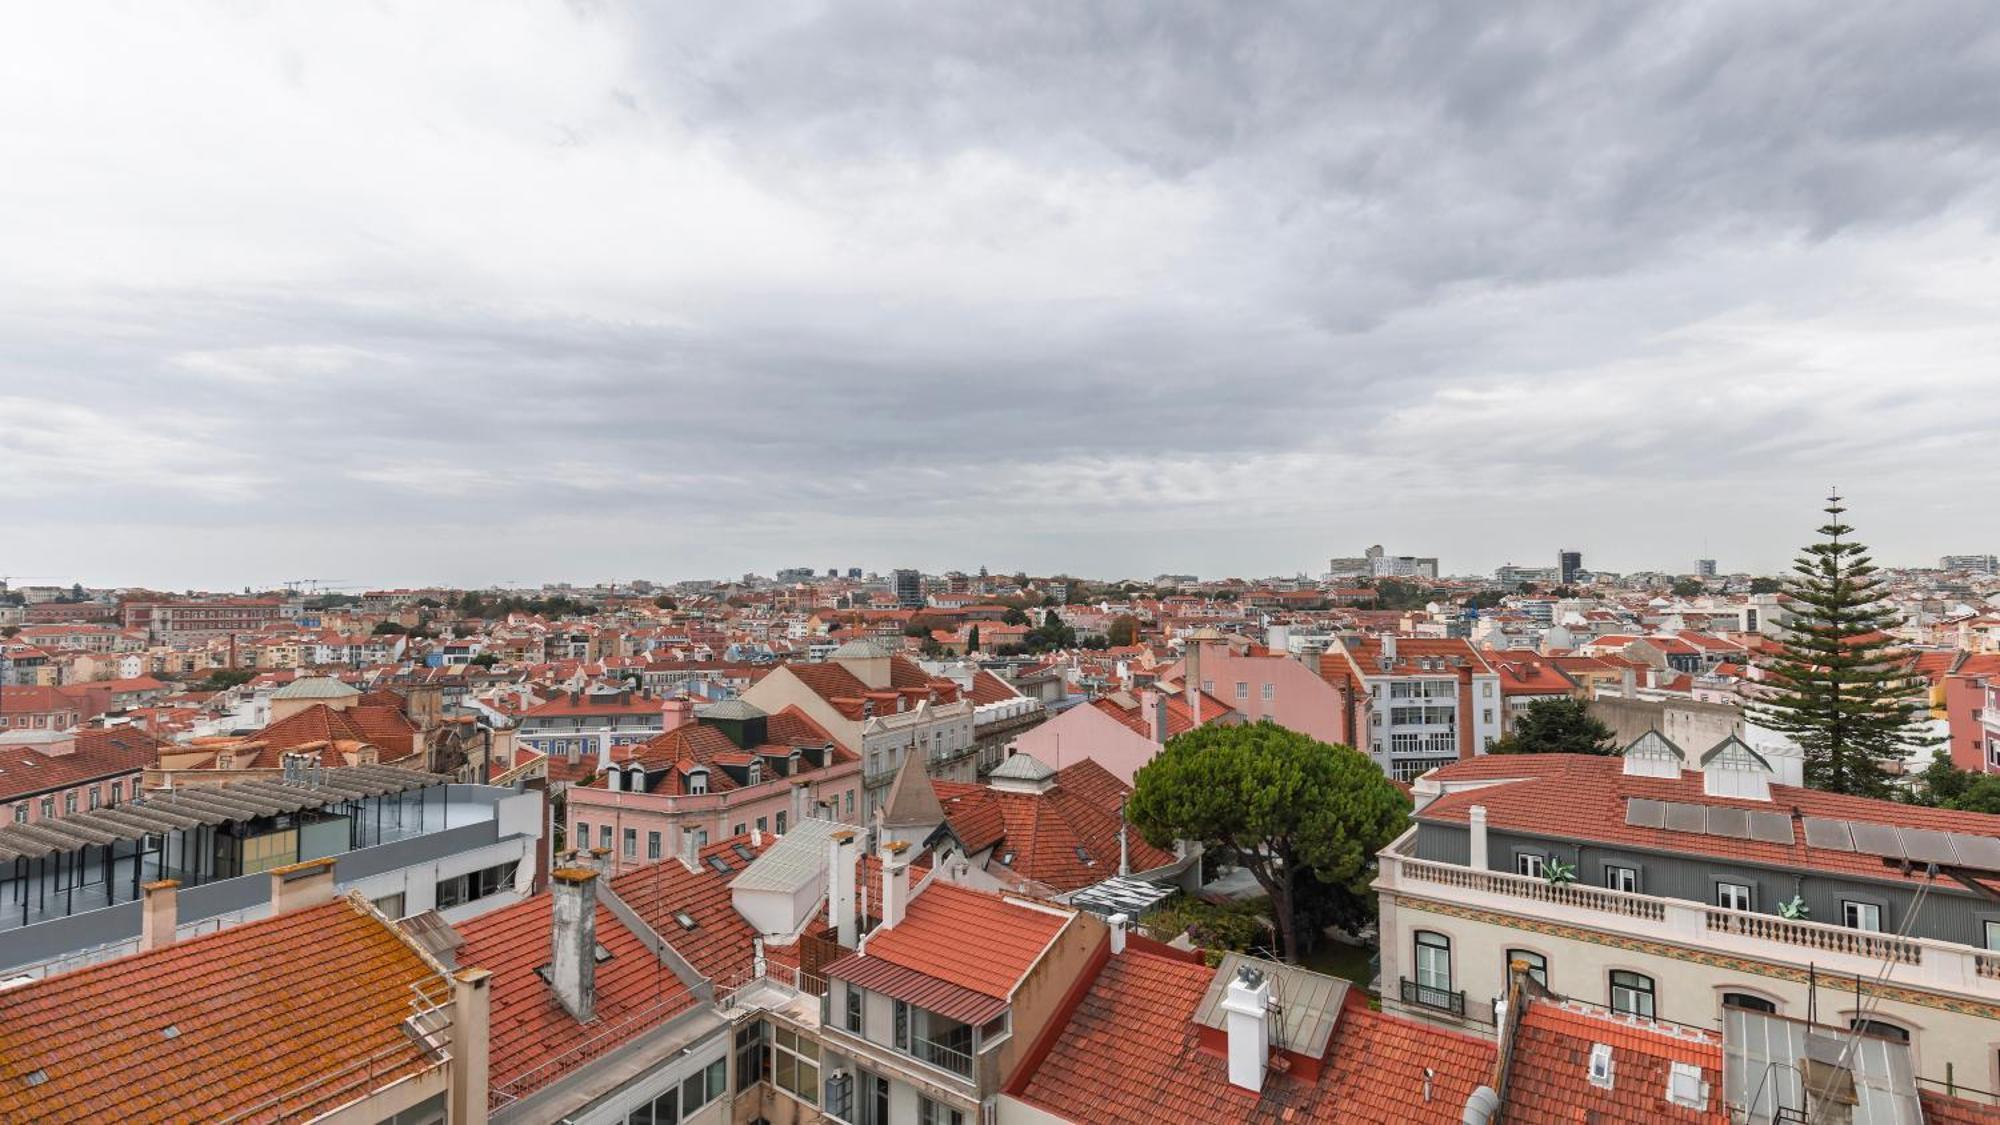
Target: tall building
(909,588)
(1977,564)
(1704,568)
(1568,565)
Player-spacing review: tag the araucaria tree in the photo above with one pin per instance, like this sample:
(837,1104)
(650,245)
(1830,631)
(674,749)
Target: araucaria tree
(1838,686)
(1288,806)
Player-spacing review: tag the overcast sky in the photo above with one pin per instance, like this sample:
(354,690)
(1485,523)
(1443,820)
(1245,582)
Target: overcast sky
(504,292)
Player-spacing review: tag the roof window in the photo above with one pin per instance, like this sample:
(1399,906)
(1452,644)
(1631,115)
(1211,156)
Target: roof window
(1600,1065)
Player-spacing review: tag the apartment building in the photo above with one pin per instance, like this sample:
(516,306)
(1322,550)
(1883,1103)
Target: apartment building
(1668,886)
(732,770)
(37,708)
(45,774)
(582,728)
(1422,702)
(881,705)
(189,622)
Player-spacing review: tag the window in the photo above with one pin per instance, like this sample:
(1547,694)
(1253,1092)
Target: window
(1486,716)
(902,1025)
(652,845)
(739,829)
(20,812)
(391,905)
(1732,896)
(853,1009)
(631,843)
(117,793)
(604,836)
(48,807)
(475,885)
(850,802)
(1991,932)
(1748,1001)
(704,1086)
(582,834)
(1621,878)
(932,1113)
(1631,994)
(763,824)
(1882,1028)
(697,782)
(1861,915)
(1538,965)
(795,1064)
(781,824)
(1529,864)
(69,803)
(1270,692)
(94,797)
(1242,690)
(1433,961)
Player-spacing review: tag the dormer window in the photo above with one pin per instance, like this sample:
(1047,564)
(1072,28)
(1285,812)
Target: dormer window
(796,762)
(697,781)
(756,772)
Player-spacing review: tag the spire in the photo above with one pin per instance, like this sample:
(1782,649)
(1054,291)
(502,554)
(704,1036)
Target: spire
(911,802)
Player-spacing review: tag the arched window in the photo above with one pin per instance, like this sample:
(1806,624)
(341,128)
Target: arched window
(1538,965)
(1631,993)
(1748,1001)
(1433,961)
(1881,1027)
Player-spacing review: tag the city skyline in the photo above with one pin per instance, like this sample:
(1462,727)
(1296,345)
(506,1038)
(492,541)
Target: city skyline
(464,295)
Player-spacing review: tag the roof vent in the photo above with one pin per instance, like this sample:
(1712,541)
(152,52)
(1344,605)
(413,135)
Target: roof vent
(171,1031)
(1600,1065)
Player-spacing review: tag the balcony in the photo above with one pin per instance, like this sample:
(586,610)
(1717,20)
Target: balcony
(1914,962)
(1436,999)
(940,1056)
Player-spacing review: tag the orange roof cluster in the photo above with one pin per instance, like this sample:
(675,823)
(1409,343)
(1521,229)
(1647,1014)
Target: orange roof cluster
(1548,1068)
(719,946)
(1132,1052)
(98,754)
(216,1026)
(1038,836)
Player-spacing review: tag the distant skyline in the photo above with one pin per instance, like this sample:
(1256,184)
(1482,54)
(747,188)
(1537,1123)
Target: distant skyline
(472,295)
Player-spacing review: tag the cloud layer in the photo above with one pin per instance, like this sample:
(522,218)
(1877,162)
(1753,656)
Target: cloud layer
(477,293)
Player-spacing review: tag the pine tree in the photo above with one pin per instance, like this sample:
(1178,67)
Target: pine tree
(1837,686)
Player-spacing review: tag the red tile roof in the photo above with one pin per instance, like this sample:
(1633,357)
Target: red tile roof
(1548,1064)
(719,945)
(530,1027)
(1042,832)
(982,942)
(1582,797)
(927,992)
(1131,1053)
(384,728)
(250,1026)
(98,754)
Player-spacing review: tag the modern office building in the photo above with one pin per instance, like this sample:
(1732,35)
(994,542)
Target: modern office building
(1569,564)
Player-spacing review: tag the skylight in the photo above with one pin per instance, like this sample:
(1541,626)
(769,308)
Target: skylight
(685,919)
(720,864)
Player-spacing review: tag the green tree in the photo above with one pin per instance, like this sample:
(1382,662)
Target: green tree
(484,660)
(1938,784)
(1765,585)
(665,602)
(1837,685)
(383,628)
(1014,616)
(1982,796)
(222,679)
(1288,807)
(1689,587)
(1123,630)
(1557,726)
(972,639)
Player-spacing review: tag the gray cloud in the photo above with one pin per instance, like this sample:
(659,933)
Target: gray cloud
(416,294)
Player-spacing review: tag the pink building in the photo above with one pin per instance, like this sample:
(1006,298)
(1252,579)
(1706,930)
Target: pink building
(1972,714)
(731,770)
(1281,688)
(45,773)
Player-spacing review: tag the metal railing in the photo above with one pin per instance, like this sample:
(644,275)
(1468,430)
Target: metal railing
(1540,890)
(938,1055)
(1425,996)
(535,1077)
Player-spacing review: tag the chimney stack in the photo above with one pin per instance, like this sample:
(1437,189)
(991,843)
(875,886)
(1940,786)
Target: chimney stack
(895,883)
(1192,665)
(1247,1001)
(161,914)
(840,892)
(573,940)
(1389,647)
(1627,682)
(689,858)
(471,1018)
(300,885)
(1477,815)
(1118,923)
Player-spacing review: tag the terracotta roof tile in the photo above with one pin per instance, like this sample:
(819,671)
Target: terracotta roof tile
(933,938)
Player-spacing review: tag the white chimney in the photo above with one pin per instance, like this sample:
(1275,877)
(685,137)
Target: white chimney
(690,858)
(161,914)
(1389,647)
(1477,815)
(573,940)
(840,889)
(1118,923)
(1247,1002)
(895,883)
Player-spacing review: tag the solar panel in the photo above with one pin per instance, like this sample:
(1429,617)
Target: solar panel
(1771,827)
(1643,813)
(1733,823)
(1686,818)
(1876,839)
(1830,834)
(1981,852)
(1926,846)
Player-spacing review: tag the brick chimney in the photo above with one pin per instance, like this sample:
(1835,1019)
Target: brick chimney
(573,940)
(677,712)
(1153,711)
(1247,1001)
(895,882)
(300,885)
(160,914)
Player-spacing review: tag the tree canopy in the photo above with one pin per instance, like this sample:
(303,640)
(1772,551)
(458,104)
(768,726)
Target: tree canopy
(1838,688)
(1557,726)
(1287,806)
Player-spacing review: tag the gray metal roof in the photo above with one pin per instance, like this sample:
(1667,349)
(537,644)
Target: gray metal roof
(1120,894)
(191,805)
(1022,767)
(315,687)
(1305,1004)
(730,709)
(798,857)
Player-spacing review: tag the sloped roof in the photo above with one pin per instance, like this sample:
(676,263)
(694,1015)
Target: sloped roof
(719,945)
(1548,1068)
(911,802)
(248,1026)
(315,687)
(978,941)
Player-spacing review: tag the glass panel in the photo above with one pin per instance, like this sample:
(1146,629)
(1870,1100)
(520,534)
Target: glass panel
(667,1108)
